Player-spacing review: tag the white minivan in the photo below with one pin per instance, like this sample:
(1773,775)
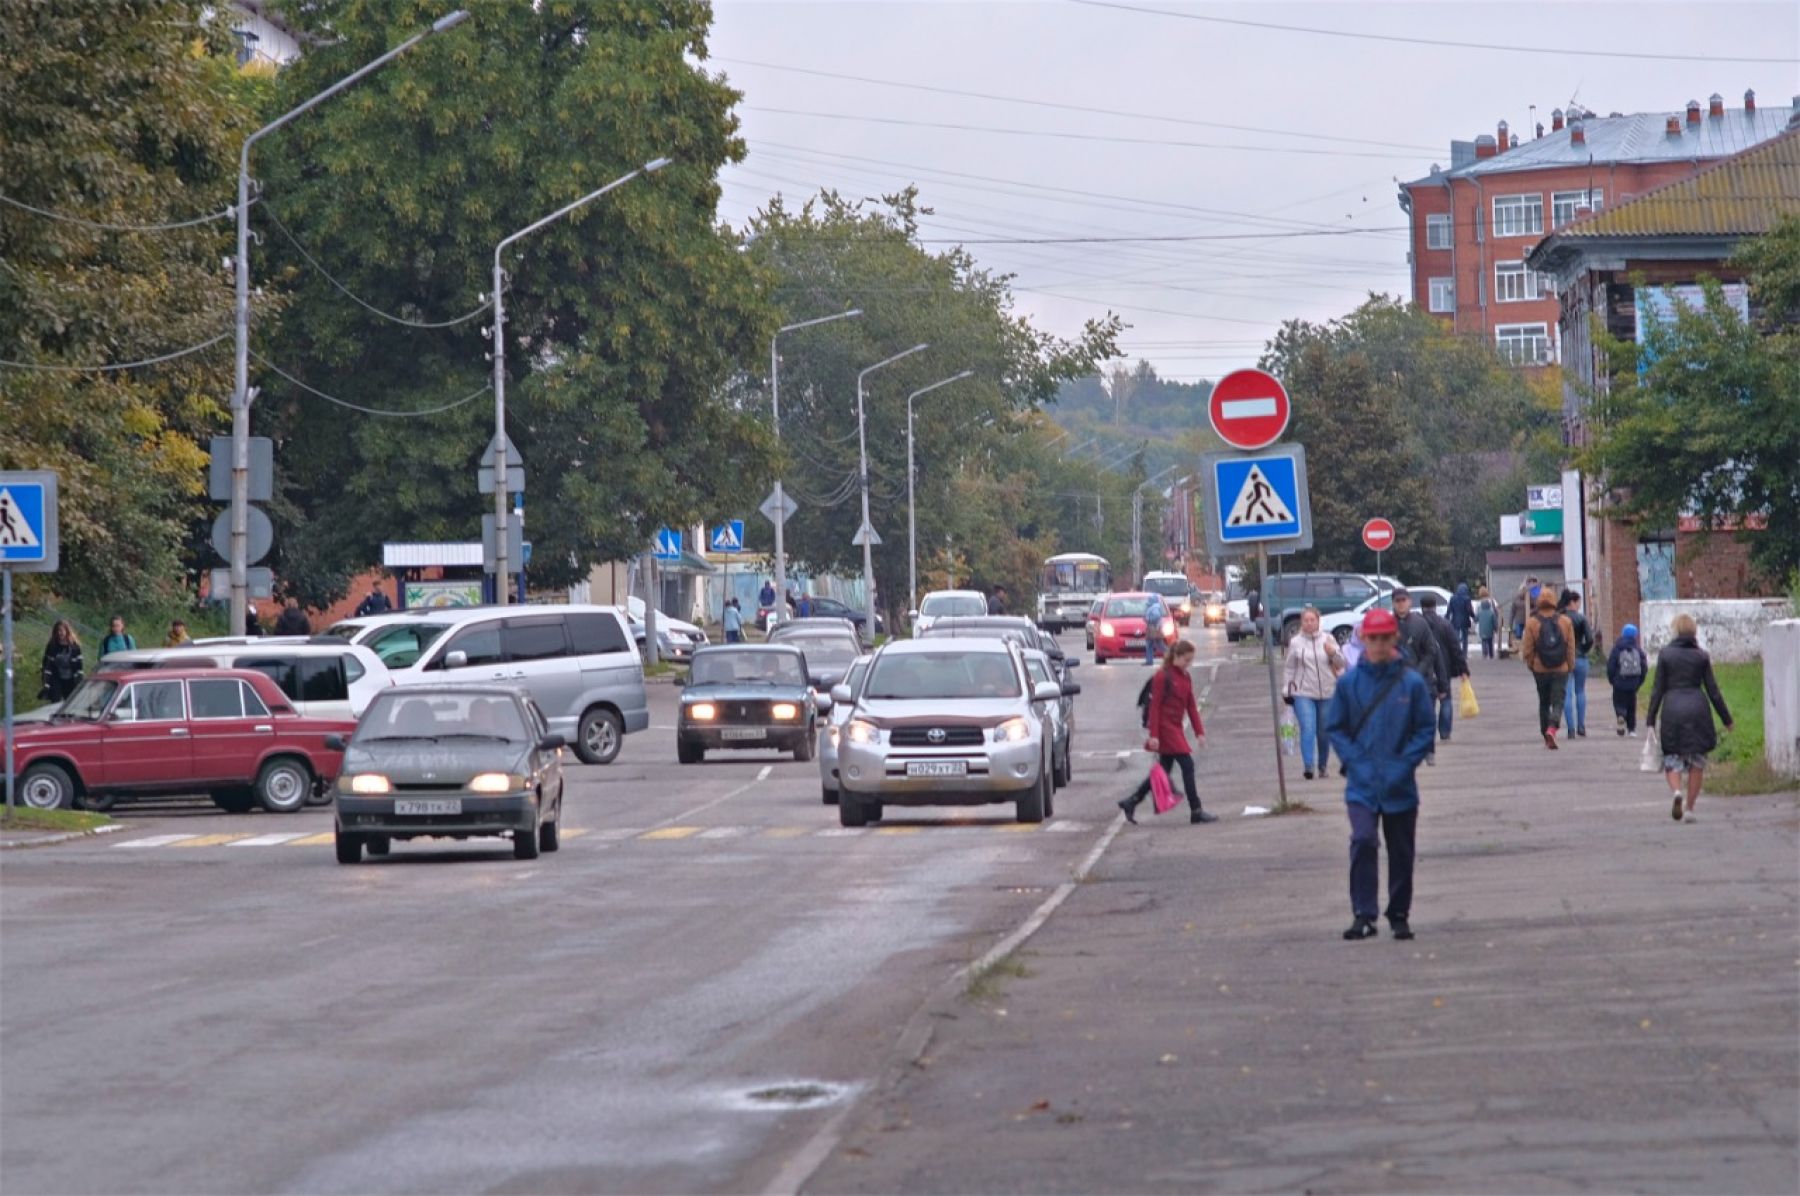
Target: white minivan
(323,680)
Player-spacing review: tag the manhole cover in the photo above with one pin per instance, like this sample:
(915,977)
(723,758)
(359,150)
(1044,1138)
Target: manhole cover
(799,1094)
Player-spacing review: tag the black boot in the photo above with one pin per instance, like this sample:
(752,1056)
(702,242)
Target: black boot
(1362,928)
(1129,808)
(1200,815)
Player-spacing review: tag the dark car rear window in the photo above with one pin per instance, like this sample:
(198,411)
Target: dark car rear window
(593,633)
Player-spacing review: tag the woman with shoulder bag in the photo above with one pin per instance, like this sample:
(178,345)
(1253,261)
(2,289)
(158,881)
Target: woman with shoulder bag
(1314,662)
(1172,705)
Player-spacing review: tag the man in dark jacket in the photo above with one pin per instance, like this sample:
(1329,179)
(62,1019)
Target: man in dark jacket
(1454,648)
(1421,652)
(997,601)
(375,603)
(293,620)
(1461,614)
(1381,724)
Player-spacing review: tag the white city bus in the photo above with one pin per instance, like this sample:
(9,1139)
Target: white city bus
(1068,586)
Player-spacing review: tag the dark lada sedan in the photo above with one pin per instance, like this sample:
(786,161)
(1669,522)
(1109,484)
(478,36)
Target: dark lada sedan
(450,762)
(748,696)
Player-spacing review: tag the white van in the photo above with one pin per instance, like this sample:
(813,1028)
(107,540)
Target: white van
(578,663)
(329,680)
(399,638)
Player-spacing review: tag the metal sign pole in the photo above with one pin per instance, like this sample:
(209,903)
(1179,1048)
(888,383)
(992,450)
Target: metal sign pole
(6,602)
(1262,571)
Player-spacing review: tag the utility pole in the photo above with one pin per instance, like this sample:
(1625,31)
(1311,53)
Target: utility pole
(867,532)
(912,510)
(781,590)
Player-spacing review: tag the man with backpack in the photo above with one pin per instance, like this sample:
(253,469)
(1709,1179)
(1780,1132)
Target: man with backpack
(1381,724)
(1549,651)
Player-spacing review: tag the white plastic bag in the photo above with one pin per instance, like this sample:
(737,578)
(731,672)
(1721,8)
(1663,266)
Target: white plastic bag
(1650,759)
(1290,732)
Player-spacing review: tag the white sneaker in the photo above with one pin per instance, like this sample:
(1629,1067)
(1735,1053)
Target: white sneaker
(1632,734)
(1689,817)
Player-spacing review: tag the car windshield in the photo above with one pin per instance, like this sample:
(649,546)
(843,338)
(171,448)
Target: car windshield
(397,714)
(401,645)
(1168,587)
(950,606)
(942,675)
(828,652)
(89,702)
(1127,608)
(746,668)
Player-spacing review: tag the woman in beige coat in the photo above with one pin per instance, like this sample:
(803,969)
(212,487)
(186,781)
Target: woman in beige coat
(1314,661)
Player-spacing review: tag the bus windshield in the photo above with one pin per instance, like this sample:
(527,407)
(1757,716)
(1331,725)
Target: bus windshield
(1080,576)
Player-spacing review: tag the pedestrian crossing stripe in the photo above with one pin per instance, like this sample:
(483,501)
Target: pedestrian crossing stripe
(15,529)
(1257,503)
(664,834)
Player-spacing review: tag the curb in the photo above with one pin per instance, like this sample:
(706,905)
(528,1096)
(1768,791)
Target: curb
(20,844)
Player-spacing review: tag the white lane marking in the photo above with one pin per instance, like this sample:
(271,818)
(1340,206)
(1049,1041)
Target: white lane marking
(1246,408)
(688,815)
(725,832)
(156,841)
(840,832)
(1068,824)
(269,840)
(766,770)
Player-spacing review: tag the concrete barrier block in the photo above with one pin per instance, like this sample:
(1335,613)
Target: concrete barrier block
(1731,629)
(1781,696)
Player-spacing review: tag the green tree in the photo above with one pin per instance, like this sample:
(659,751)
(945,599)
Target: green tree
(626,321)
(124,114)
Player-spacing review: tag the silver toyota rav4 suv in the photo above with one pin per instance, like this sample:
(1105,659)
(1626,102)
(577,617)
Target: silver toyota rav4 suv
(946,722)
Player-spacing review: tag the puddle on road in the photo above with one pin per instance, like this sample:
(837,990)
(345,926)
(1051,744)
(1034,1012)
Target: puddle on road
(799,1094)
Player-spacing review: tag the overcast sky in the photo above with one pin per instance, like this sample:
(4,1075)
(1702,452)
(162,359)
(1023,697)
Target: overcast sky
(1375,112)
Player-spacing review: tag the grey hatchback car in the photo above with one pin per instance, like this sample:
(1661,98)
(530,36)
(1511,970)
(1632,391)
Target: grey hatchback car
(431,761)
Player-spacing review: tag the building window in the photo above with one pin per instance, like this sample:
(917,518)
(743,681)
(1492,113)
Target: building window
(1513,283)
(1518,215)
(1523,344)
(1563,204)
(1437,232)
(1443,294)
(246,45)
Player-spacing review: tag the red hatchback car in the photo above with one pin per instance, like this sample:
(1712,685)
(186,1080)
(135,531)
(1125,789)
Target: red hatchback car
(1120,630)
(230,733)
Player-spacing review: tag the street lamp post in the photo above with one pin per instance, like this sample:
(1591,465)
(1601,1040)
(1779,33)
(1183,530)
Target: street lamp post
(867,533)
(241,394)
(781,590)
(1137,522)
(912,512)
(502,521)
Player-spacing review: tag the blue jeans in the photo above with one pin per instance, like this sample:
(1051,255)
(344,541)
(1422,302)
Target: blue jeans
(1447,710)
(1575,705)
(1313,743)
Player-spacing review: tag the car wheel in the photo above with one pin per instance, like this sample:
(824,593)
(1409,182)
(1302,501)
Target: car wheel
(807,747)
(283,785)
(852,811)
(688,753)
(99,803)
(1341,634)
(349,848)
(378,844)
(1030,808)
(550,836)
(47,787)
(1099,659)
(828,795)
(525,845)
(234,801)
(598,739)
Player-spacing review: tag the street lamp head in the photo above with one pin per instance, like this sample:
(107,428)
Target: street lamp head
(656,164)
(450,20)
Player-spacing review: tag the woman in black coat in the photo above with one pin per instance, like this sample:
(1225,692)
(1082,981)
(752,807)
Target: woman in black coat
(62,663)
(1684,686)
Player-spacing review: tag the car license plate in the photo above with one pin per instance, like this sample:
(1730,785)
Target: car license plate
(442,806)
(937,768)
(1135,644)
(744,733)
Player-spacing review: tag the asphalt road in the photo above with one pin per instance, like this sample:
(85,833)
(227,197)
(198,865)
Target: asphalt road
(209,1003)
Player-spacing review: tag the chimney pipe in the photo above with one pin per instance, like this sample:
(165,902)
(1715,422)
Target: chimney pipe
(1484,146)
(1556,120)
(1540,131)
(1577,134)
(1500,136)
(1693,112)
(1749,102)
(1514,143)
(1715,106)
(1673,126)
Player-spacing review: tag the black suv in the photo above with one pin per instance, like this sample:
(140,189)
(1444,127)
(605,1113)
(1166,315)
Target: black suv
(1285,595)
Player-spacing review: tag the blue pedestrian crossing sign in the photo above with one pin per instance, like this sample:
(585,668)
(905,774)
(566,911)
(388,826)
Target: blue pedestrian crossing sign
(667,545)
(1258,498)
(728,536)
(28,530)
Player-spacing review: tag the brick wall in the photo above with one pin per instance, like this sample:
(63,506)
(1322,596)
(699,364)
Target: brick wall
(1715,566)
(1612,559)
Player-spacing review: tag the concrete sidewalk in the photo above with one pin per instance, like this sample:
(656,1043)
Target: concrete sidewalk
(1598,997)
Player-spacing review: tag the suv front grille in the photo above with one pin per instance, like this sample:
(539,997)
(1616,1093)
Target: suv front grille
(952,737)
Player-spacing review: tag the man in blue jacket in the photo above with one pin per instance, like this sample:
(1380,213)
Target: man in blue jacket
(1382,723)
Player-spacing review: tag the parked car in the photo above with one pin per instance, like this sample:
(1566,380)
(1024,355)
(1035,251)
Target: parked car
(322,680)
(1122,629)
(829,646)
(835,719)
(831,608)
(942,723)
(451,762)
(676,639)
(1343,623)
(1285,595)
(127,733)
(940,604)
(1238,623)
(399,638)
(1176,591)
(1062,718)
(578,663)
(748,696)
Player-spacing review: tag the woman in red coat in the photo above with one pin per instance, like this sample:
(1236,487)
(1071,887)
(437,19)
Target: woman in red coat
(1171,705)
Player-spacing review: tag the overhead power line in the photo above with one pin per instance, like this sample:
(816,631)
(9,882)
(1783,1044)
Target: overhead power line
(383,411)
(1531,48)
(1179,237)
(118,365)
(1003,99)
(108,226)
(358,300)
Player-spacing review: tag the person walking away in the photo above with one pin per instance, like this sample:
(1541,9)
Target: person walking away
(997,601)
(1314,662)
(733,620)
(1487,621)
(117,639)
(1380,721)
(62,669)
(1684,685)
(1171,704)
(375,602)
(1548,649)
(293,620)
(1154,614)
(1575,702)
(178,635)
(1455,650)
(1521,610)
(1421,651)
(1461,615)
(1626,668)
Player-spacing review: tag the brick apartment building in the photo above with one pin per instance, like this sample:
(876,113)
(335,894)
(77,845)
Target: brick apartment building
(1473,224)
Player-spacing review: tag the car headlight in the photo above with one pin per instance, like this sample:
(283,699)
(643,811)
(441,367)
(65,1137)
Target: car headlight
(1106,629)
(495,782)
(785,710)
(1013,730)
(831,737)
(702,711)
(862,732)
(1168,626)
(365,782)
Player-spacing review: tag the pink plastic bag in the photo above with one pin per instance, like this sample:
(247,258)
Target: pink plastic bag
(1162,793)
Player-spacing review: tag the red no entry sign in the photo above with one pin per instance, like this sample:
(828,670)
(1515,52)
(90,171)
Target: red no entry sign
(1249,409)
(1378,534)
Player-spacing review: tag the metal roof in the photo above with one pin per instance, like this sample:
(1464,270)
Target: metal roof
(1745,195)
(1639,137)
(421,556)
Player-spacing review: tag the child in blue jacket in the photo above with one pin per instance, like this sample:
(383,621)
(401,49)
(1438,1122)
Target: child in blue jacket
(1626,668)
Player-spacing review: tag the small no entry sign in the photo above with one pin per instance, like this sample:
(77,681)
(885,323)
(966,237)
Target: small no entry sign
(1378,534)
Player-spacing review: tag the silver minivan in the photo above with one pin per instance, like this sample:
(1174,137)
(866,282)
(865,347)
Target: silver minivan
(578,663)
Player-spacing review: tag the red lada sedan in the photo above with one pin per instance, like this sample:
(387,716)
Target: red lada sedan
(1120,629)
(230,733)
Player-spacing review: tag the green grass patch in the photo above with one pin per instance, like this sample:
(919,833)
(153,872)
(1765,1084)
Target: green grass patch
(22,819)
(1738,763)
(663,668)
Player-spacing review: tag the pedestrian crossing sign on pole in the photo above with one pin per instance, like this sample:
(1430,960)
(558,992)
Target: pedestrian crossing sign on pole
(1258,498)
(28,527)
(728,536)
(667,545)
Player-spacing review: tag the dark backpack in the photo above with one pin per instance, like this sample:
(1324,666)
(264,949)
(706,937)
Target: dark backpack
(1552,648)
(1144,700)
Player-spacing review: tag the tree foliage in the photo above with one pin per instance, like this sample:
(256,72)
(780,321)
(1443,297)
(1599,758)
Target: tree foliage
(120,114)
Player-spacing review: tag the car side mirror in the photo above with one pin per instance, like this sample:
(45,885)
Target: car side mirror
(822,702)
(912,615)
(334,743)
(456,660)
(841,693)
(1070,689)
(1046,691)
(551,743)
(1070,662)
